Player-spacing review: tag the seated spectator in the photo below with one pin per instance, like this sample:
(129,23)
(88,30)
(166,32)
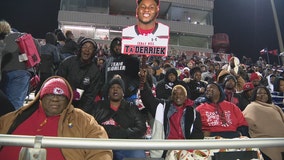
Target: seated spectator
(120,118)
(178,117)
(255,79)
(165,86)
(223,73)
(220,117)
(245,95)
(195,84)
(235,69)
(208,76)
(229,87)
(184,73)
(265,120)
(278,93)
(270,81)
(51,114)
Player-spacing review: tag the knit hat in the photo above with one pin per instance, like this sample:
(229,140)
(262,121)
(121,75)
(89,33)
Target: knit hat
(85,40)
(248,86)
(254,76)
(55,86)
(228,77)
(118,81)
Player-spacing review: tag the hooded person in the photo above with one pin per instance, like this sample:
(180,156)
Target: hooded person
(196,85)
(51,113)
(220,117)
(83,74)
(165,86)
(120,118)
(235,68)
(126,66)
(239,80)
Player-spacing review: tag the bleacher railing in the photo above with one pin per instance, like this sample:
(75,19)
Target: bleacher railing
(130,144)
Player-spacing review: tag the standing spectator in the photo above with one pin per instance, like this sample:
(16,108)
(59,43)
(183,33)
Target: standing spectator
(265,120)
(165,86)
(70,47)
(15,74)
(51,114)
(178,117)
(121,119)
(278,93)
(50,58)
(126,66)
(6,106)
(60,38)
(220,117)
(83,74)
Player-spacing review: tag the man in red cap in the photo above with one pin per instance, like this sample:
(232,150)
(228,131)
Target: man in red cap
(52,114)
(255,79)
(245,95)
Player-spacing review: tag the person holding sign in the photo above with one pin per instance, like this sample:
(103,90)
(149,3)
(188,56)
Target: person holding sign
(147,37)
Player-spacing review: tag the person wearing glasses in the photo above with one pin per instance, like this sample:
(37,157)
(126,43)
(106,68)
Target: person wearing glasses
(52,114)
(82,73)
(265,120)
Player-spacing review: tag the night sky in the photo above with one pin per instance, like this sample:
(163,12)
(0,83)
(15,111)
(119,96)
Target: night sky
(249,23)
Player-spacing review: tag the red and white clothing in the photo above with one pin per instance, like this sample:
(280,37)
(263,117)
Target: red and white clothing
(221,117)
(36,124)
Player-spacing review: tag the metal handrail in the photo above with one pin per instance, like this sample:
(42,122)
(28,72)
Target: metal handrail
(130,144)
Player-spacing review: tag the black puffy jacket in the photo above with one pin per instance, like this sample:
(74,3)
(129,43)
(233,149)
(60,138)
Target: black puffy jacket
(131,123)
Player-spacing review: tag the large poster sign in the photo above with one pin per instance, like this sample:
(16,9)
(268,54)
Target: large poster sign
(153,44)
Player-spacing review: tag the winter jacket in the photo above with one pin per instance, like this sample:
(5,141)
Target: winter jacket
(49,58)
(190,121)
(84,126)
(84,76)
(130,122)
(164,87)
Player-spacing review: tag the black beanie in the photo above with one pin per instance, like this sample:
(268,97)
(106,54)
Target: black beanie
(118,81)
(228,77)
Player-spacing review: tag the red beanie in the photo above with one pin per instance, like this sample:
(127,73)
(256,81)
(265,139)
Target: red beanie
(254,76)
(55,86)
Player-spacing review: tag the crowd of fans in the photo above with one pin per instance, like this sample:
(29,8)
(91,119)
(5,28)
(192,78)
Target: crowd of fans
(201,97)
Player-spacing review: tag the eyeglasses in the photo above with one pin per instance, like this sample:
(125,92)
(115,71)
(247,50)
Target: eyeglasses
(53,96)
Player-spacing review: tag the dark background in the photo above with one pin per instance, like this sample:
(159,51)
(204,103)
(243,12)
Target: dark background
(249,23)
